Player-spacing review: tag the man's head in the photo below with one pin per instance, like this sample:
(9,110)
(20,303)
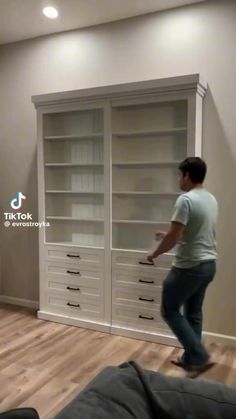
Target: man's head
(192,173)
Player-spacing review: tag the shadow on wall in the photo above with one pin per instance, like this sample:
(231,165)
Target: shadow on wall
(20,265)
(220,308)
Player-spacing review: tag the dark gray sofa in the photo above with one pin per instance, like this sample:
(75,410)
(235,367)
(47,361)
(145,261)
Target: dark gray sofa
(20,413)
(130,392)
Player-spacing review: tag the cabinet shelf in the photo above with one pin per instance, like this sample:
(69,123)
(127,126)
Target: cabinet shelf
(73,192)
(73,164)
(73,137)
(72,244)
(140,222)
(130,134)
(141,250)
(143,193)
(147,163)
(57,217)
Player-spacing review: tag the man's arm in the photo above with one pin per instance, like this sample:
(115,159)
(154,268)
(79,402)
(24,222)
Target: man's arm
(169,241)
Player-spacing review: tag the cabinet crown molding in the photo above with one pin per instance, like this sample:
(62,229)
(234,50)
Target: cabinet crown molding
(186,83)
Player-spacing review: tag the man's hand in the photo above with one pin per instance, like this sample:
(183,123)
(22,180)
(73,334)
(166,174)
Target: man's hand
(169,241)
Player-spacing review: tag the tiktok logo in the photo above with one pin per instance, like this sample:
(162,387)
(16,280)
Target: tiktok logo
(18,218)
(16,202)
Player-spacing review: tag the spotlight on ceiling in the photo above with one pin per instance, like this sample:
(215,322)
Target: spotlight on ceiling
(50,12)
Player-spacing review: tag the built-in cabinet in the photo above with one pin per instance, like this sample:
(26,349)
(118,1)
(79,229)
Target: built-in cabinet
(108,179)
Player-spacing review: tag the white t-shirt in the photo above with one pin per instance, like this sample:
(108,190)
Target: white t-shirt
(197,210)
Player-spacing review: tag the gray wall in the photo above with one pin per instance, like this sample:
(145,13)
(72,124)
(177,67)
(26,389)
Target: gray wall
(195,39)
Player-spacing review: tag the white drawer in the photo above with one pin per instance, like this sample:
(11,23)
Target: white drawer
(61,277)
(71,280)
(75,297)
(135,275)
(137,296)
(85,308)
(144,319)
(138,259)
(71,271)
(74,255)
(74,286)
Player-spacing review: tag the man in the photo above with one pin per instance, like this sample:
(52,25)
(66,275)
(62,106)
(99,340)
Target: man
(192,231)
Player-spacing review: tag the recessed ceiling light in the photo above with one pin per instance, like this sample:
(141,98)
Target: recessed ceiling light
(50,12)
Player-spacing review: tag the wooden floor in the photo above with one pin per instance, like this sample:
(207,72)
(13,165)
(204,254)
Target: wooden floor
(44,364)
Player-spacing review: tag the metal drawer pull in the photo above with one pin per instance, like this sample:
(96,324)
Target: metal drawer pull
(145,282)
(146,317)
(147,299)
(73,305)
(72,289)
(145,263)
(73,256)
(73,272)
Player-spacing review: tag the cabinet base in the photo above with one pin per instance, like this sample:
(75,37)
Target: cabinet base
(72,321)
(164,339)
(167,339)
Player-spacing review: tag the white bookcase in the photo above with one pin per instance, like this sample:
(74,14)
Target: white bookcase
(107,166)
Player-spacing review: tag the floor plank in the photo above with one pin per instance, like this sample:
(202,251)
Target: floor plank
(45,364)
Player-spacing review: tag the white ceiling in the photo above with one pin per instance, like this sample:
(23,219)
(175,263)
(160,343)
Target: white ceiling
(23,19)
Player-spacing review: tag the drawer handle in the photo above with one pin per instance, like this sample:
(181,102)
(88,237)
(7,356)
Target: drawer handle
(73,256)
(145,282)
(72,289)
(145,263)
(73,305)
(146,317)
(73,272)
(146,299)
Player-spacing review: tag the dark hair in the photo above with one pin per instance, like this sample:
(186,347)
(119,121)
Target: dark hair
(195,167)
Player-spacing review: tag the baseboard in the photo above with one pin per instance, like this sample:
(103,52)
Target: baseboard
(169,340)
(19,301)
(73,321)
(218,338)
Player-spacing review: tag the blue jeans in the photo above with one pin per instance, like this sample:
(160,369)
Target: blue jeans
(187,287)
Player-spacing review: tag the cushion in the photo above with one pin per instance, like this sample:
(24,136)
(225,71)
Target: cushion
(129,391)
